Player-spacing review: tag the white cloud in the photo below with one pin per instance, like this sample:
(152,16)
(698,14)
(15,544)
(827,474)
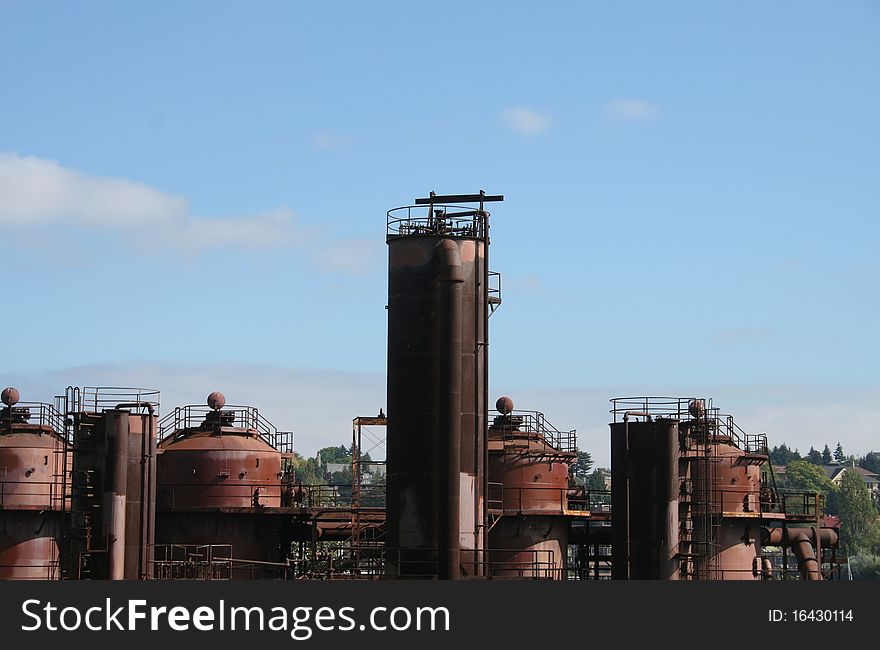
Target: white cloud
(525,120)
(33,190)
(631,109)
(328,141)
(37,193)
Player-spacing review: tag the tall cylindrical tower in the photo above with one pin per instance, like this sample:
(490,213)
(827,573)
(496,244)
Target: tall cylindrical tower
(438,310)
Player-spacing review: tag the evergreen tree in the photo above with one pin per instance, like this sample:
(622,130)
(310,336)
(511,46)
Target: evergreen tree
(826,456)
(839,456)
(783,455)
(581,469)
(814,456)
(871,462)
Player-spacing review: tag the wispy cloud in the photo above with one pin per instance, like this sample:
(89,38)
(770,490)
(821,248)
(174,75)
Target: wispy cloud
(34,190)
(36,194)
(327,141)
(525,120)
(631,110)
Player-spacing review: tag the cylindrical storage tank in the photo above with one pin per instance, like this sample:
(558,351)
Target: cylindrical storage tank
(735,494)
(645,500)
(528,483)
(425,256)
(205,469)
(215,479)
(32,483)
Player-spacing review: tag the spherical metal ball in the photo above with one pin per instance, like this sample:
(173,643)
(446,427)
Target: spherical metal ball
(696,408)
(216,400)
(10,396)
(504,405)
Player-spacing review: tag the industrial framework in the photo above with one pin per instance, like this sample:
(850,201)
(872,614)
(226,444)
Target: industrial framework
(98,485)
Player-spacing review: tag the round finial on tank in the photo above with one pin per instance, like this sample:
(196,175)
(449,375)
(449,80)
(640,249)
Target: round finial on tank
(504,405)
(10,396)
(697,408)
(216,400)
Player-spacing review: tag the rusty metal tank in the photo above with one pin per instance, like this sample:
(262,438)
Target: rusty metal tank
(438,309)
(219,469)
(32,485)
(686,492)
(113,482)
(735,485)
(216,457)
(644,499)
(529,464)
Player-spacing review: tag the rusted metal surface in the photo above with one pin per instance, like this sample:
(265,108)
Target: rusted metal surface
(708,487)
(32,489)
(220,481)
(529,506)
(420,331)
(10,396)
(644,497)
(224,468)
(111,523)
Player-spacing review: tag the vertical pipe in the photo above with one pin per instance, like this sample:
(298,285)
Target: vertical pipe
(117,425)
(669,560)
(620,566)
(449,323)
(484,405)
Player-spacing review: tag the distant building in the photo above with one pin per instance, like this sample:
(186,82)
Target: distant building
(836,471)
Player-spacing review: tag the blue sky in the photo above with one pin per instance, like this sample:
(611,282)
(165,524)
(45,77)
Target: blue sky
(194,194)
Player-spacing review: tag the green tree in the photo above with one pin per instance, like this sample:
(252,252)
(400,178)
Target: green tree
(839,456)
(597,479)
(859,525)
(814,456)
(306,470)
(782,455)
(826,456)
(803,476)
(871,462)
(581,469)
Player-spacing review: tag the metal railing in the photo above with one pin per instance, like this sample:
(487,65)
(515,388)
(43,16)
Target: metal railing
(424,563)
(94,399)
(191,562)
(715,424)
(196,416)
(493,292)
(807,505)
(534,422)
(543,500)
(337,495)
(443,220)
(673,408)
(33,413)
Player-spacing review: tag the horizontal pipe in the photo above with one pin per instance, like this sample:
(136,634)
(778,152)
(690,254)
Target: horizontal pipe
(774,536)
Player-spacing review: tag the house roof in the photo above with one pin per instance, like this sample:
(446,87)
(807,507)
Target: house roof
(833,471)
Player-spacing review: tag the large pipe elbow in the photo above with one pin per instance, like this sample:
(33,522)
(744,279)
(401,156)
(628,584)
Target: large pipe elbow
(802,548)
(802,542)
(448,258)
